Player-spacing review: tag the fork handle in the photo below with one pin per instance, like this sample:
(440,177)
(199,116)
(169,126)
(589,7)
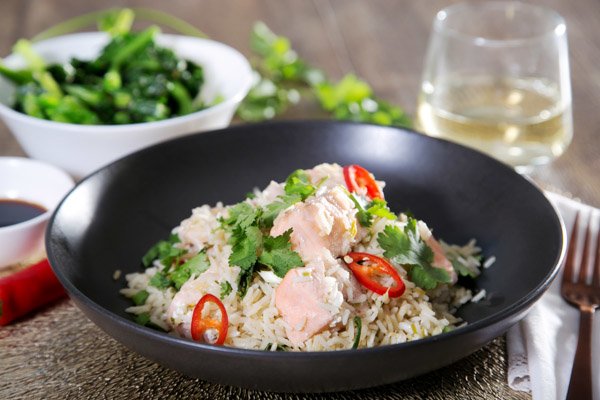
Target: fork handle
(580,386)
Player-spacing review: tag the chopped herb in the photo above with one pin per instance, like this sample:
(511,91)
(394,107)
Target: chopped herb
(142,319)
(377,207)
(160,281)
(447,329)
(272,210)
(299,183)
(140,297)
(225,289)
(251,244)
(461,268)
(279,347)
(164,251)
(278,254)
(250,195)
(244,280)
(241,216)
(245,246)
(192,267)
(358,327)
(406,248)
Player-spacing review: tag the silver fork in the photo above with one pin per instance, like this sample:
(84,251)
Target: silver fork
(586,296)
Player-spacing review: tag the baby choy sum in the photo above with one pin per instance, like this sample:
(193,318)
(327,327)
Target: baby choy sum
(132,80)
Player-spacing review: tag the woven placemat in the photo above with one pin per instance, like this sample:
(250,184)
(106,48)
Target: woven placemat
(60,354)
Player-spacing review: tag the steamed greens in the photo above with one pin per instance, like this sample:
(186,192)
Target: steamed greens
(132,80)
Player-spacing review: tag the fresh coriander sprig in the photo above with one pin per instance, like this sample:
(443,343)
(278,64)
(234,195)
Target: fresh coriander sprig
(284,75)
(405,247)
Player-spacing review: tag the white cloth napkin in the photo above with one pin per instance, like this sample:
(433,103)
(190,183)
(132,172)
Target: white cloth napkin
(541,347)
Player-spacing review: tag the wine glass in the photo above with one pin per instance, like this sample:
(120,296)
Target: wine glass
(496,78)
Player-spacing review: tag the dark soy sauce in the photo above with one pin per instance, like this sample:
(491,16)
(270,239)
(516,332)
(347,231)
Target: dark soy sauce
(14,211)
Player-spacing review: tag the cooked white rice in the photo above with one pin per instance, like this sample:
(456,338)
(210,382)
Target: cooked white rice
(254,320)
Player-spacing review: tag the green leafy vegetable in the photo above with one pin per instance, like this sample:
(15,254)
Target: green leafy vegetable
(165,251)
(284,76)
(358,327)
(225,289)
(405,247)
(377,207)
(278,255)
(352,99)
(160,280)
(251,245)
(140,297)
(132,80)
(272,210)
(245,246)
(142,319)
(299,183)
(192,267)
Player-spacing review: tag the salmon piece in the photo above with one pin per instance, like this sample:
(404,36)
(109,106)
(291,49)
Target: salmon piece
(322,226)
(439,258)
(300,299)
(329,175)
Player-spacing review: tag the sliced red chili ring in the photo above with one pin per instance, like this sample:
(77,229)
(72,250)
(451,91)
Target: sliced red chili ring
(201,324)
(357,179)
(366,267)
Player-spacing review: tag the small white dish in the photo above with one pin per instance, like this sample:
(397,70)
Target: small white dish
(81,149)
(33,182)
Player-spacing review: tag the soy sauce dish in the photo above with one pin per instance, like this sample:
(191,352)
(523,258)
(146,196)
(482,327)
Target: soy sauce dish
(29,192)
(109,221)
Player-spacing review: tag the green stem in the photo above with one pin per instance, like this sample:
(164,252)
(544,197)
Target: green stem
(87,20)
(170,21)
(140,41)
(18,77)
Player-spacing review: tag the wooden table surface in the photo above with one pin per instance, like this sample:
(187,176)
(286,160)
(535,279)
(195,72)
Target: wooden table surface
(381,41)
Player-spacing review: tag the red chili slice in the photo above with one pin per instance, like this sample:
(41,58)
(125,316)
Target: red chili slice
(358,178)
(201,324)
(366,267)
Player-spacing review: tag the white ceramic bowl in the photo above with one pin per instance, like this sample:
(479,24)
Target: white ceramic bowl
(34,182)
(81,149)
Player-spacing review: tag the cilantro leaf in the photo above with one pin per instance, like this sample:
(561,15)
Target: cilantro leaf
(376,208)
(364,218)
(164,251)
(244,280)
(192,267)
(272,210)
(379,208)
(225,289)
(241,215)
(142,319)
(405,247)
(462,269)
(278,254)
(160,280)
(427,277)
(299,183)
(140,297)
(246,244)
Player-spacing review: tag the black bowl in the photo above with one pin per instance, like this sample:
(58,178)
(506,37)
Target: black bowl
(112,217)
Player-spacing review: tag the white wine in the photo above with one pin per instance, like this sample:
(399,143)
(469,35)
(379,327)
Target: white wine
(522,122)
